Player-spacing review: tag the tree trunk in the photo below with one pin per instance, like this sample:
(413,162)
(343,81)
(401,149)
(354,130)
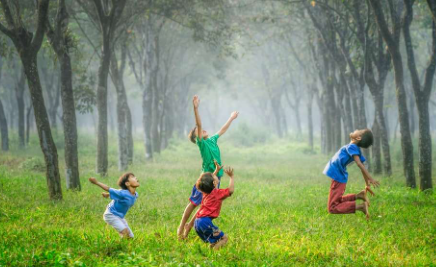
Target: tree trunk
(122,115)
(19,93)
(310,118)
(48,146)
(383,133)
(406,139)
(102,133)
(69,124)
(53,110)
(425,146)
(4,129)
(28,122)
(376,155)
(412,116)
(129,126)
(147,120)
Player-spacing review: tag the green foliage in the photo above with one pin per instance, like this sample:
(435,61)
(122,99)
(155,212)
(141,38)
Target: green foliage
(33,164)
(84,94)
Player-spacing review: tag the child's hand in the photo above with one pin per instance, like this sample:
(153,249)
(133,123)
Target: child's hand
(234,115)
(196,101)
(217,166)
(373,182)
(105,194)
(229,171)
(93,180)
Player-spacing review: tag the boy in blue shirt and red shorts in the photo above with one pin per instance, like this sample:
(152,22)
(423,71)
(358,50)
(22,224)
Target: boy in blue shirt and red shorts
(211,206)
(336,169)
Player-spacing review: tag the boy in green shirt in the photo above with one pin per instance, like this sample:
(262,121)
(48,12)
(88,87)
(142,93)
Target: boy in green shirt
(210,153)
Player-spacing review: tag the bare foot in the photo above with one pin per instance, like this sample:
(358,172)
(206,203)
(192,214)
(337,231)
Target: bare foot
(365,209)
(363,196)
(180,232)
(188,228)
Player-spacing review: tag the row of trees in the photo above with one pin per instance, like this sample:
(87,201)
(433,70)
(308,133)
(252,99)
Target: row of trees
(347,48)
(291,54)
(119,33)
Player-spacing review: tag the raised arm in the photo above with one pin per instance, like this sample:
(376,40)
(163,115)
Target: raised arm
(217,168)
(226,125)
(196,103)
(231,187)
(368,179)
(103,186)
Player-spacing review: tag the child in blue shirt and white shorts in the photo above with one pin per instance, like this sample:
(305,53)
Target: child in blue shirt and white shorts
(122,200)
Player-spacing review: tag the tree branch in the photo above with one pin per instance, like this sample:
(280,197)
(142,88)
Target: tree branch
(42,18)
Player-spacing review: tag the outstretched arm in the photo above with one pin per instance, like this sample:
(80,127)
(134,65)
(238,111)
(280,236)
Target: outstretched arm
(231,187)
(103,186)
(217,168)
(368,179)
(196,103)
(226,126)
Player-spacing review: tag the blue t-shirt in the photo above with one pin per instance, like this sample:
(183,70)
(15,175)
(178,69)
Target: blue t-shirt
(121,202)
(336,168)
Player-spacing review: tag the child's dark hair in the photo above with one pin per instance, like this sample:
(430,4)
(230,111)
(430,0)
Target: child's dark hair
(367,139)
(205,183)
(192,136)
(124,178)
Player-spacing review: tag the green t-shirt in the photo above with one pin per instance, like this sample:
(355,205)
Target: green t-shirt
(210,151)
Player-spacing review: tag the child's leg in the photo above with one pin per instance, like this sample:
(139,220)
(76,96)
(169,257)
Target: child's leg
(188,210)
(118,224)
(339,204)
(363,208)
(220,243)
(189,226)
(126,232)
(194,201)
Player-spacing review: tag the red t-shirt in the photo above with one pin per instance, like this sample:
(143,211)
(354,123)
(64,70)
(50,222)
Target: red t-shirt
(211,203)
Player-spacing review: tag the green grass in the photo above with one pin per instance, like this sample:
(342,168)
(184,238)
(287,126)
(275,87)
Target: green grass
(277,216)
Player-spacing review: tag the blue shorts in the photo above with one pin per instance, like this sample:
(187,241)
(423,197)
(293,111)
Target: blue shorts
(197,196)
(207,231)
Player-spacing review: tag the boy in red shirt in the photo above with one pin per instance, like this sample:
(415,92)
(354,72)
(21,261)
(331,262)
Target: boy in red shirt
(211,206)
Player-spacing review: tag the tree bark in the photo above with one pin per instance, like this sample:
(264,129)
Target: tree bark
(48,146)
(59,41)
(309,116)
(19,94)
(4,129)
(376,155)
(123,114)
(28,123)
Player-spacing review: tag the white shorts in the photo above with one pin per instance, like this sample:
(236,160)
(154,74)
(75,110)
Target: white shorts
(116,222)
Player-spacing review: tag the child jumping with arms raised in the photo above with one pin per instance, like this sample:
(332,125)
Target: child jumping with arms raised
(209,151)
(336,169)
(122,200)
(211,206)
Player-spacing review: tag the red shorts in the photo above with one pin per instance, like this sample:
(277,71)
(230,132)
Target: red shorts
(338,203)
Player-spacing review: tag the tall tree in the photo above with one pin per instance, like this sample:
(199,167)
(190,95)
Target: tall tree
(106,14)
(422,92)
(61,43)
(392,39)
(28,45)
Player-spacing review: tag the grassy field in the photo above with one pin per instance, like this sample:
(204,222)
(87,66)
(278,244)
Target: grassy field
(277,216)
